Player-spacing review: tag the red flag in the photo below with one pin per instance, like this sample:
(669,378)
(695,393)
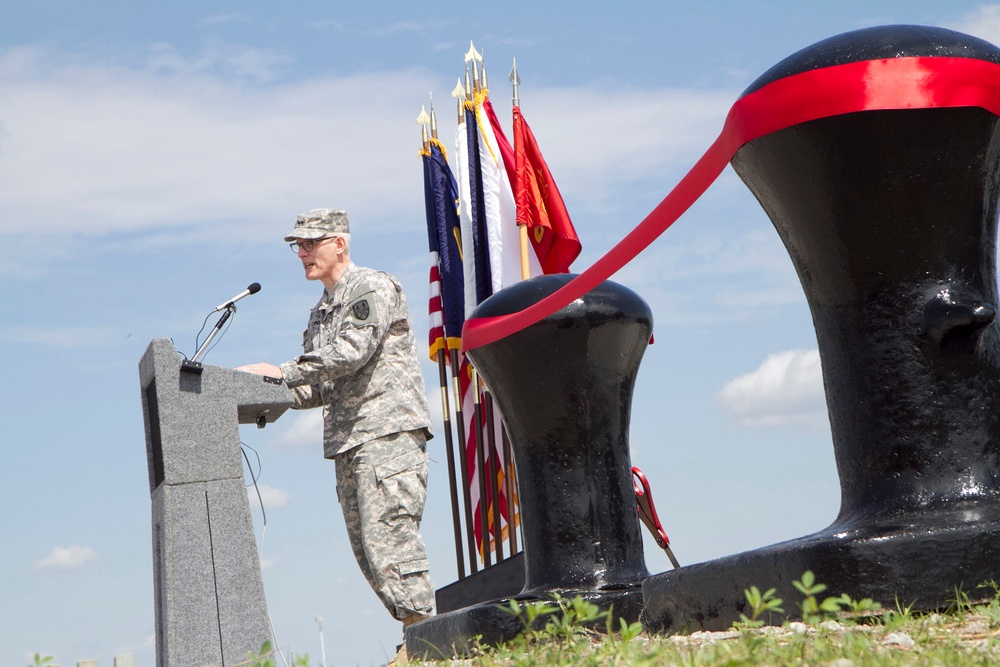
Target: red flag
(539,204)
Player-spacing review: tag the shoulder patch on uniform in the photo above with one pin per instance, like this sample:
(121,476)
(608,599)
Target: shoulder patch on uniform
(361,309)
(361,303)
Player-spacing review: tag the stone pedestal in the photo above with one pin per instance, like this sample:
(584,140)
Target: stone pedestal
(209,594)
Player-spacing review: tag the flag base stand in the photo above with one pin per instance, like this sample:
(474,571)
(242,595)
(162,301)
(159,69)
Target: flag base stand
(502,580)
(455,634)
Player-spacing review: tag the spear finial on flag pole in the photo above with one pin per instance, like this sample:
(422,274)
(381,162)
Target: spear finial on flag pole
(515,81)
(472,54)
(476,58)
(434,120)
(459,94)
(482,75)
(423,120)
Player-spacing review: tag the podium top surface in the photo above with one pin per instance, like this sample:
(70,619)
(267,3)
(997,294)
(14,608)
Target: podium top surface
(192,415)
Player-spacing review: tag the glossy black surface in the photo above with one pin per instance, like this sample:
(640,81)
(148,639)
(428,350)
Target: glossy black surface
(564,387)
(890,219)
(893,41)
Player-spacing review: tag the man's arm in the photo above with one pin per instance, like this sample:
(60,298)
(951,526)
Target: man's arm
(305,396)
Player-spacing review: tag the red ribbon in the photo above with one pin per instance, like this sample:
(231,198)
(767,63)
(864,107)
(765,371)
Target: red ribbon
(892,83)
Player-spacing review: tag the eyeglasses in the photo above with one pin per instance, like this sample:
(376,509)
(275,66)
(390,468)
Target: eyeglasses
(308,245)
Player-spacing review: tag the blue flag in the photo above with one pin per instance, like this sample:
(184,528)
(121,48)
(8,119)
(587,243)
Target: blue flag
(480,241)
(445,243)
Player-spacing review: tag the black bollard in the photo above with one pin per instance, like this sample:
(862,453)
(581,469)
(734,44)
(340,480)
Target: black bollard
(890,220)
(564,387)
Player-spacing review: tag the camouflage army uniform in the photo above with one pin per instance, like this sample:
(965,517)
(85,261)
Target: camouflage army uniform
(359,363)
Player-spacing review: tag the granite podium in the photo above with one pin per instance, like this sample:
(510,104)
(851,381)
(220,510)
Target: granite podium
(209,594)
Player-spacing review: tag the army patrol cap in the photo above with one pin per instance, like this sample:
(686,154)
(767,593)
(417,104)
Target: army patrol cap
(318,223)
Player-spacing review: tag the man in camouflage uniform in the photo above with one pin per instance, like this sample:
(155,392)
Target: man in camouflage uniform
(359,363)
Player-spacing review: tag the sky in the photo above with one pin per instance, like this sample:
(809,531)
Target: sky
(152,157)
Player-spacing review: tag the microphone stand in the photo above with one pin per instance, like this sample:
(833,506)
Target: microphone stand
(193,365)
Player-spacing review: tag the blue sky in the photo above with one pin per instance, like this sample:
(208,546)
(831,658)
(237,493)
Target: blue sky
(151,159)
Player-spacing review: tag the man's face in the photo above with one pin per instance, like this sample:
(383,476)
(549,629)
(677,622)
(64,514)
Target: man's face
(321,259)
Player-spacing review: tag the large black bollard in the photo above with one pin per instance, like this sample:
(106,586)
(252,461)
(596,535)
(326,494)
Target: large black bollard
(564,387)
(890,220)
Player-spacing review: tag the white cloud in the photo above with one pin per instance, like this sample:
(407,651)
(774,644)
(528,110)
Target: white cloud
(787,389)
(271,497)
(602,144)
(229,60)
(67,558)
(984,23)
(179,139)
(174,142)
(305,429)
(713,278)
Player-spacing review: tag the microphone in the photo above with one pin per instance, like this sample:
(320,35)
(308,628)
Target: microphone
(252,289)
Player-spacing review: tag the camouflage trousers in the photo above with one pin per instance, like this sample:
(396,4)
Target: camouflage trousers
(382,485)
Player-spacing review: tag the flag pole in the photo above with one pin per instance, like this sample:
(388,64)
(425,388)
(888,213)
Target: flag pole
(472,88)
(460,417)
(494,469)
(484,499)
(482,440)
(459,93)
(424,120)
(510,485)
(522,232)
(456,375)
(493,463)
(449,449)
(522,227)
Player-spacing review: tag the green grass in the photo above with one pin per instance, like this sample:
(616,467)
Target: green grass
(934,641)
(837,632)
(840,633)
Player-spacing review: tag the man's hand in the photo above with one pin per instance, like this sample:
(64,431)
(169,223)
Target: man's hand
(270,370)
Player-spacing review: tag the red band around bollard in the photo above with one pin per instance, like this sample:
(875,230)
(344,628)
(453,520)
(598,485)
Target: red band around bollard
(868,85)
